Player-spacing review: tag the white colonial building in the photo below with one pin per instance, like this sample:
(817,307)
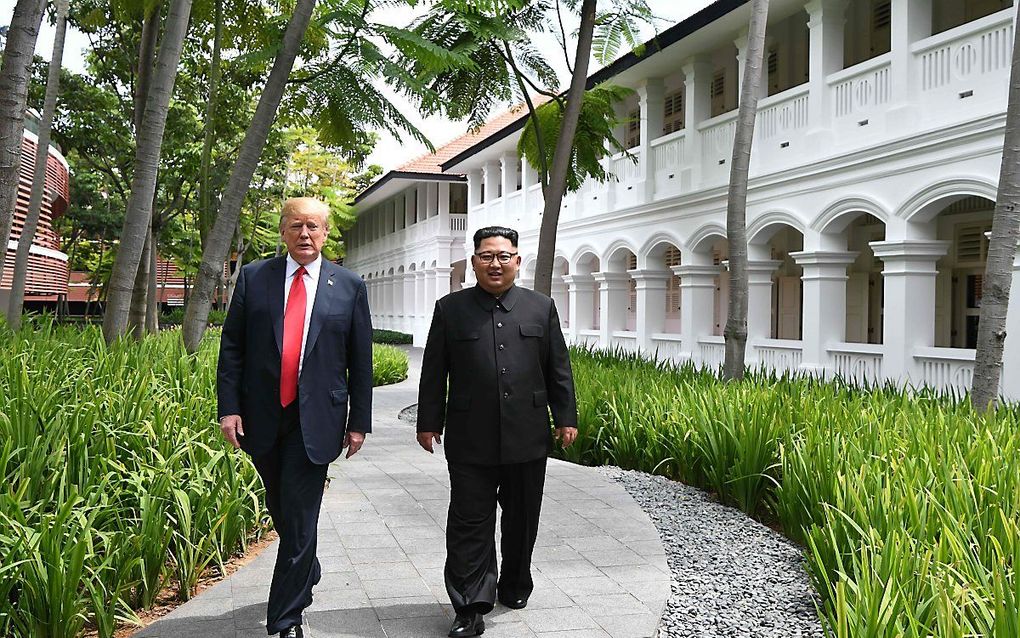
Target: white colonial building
(877,151)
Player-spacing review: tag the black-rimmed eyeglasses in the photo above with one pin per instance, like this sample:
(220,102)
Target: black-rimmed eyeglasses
(503,258)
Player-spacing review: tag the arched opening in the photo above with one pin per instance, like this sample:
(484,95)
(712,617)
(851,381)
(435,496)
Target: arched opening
(619,289)
(663,257)
(587,305)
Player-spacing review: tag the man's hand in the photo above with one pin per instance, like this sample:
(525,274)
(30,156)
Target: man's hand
(425,440)
(566,435)
(232,429)
(353,442)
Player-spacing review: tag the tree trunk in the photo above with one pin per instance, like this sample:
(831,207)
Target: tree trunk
(561,156)
(204,186)
(736,205)
(140,294)
(218,245)
(14,74)
(146,58)
(42,155)
(152,303)
(143,183)
(1002,250)
(232,279)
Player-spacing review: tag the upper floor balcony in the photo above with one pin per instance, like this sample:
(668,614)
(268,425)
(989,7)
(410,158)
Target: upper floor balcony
(831,95)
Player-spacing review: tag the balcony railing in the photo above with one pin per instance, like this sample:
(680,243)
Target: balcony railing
(858,363)
(780,355)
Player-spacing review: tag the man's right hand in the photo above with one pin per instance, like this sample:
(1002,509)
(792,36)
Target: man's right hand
(232,429)
(425,440)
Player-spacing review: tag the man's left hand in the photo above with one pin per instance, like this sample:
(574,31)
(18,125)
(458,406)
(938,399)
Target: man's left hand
(566,435)
(353,442)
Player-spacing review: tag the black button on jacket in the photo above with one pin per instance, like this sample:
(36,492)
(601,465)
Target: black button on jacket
(491,374)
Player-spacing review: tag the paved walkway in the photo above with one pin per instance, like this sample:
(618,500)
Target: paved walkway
(599,567)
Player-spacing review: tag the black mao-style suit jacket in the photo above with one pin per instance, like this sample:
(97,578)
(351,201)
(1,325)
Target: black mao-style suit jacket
(335,386)
(491,373)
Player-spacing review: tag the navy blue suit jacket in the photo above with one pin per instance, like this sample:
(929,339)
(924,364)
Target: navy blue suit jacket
(335,387)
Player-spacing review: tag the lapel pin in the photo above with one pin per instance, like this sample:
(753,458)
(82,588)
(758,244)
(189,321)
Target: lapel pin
(329,281)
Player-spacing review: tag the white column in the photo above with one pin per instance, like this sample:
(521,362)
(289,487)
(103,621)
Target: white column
(409,208)
(398,301)
(408,303)
(909,304)
(431,200)
(824,300)
(651,98)
(444,208)
(430,289)
(759,300)
(388,300)
(741,44)
(474,179)
(614,293)
(911,21)
(581,302)
(698,108)
(509,164)
(697,304)
(490,177)
(421,193)
(651,305)
(559,296)
(443,281)
(422,312)
(1011,349)
(826,21)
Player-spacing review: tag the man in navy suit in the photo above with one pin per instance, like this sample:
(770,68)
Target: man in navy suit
(294,385)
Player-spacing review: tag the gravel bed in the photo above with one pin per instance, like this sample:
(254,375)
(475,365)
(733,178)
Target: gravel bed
(731,576)
(409,414)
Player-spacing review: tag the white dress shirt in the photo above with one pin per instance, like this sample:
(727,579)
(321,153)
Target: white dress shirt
(311,279)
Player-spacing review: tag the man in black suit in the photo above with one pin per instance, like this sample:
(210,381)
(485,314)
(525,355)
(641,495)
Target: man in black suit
(501,349)
(294,385)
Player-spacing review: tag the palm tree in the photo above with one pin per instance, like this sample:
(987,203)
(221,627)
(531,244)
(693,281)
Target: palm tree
(736,204)
(214,253)
(17,300)
(1002,247)
(143,183)
(14,73)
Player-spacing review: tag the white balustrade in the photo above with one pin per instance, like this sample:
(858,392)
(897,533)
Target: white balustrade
(970,50)
(624,340)
(861,88)
(667,347)
(946,369)
(712,352)
(785,116)
(858,363)
(780,355)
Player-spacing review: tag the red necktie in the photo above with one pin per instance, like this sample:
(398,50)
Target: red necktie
(293,331)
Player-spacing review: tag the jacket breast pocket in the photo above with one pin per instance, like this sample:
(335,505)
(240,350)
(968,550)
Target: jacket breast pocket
(532,330)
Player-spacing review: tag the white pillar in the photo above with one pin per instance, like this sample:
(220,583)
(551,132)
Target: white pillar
(444,208)
(581,302)
(824,300)
(697,304)
(911,21)
(443,281)
(1011,349)
(651,98)
(422,312)
(409,208)
(826,21)
(490,177)
(421,193)
(430,288)
(562,301)
(909,304)
(474,179)
(398,301)
(697,109)
(651,305)
(614,293)
(431,200)
(408,302)
(509,164)
(741,44)
(759,301)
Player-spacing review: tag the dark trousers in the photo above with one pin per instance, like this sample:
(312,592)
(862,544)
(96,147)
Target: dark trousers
(294,487)
(471,574)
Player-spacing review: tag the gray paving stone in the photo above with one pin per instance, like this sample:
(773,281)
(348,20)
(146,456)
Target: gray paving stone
(599,567)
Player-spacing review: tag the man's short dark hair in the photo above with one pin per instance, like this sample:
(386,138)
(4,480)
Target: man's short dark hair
(495,231)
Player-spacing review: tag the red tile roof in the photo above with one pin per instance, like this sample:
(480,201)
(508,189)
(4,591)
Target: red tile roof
(431,162)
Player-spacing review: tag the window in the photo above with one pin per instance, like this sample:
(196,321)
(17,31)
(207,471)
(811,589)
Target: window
(632,265)
(772,64)
(673,114)
(633,137)
(718,92)
(971,244)
(881,23)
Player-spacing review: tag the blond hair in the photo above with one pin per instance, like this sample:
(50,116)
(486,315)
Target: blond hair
(305,205)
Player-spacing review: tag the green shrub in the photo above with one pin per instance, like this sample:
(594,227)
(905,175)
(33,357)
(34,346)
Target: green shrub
(389,364)
(114,478)
(175,317)
(908,505)
(391,336)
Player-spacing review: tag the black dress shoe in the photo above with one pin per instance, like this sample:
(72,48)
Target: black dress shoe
(292,632)
(467,623)
(513,603)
